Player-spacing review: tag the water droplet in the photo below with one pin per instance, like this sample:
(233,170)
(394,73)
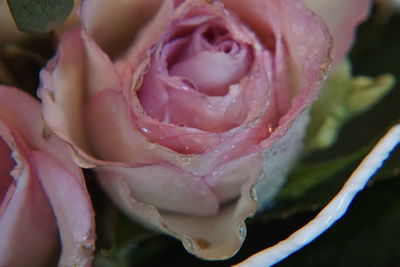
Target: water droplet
(242,232)
(188,244)
(270,128)
(184,160)
(253,194)
(145,130)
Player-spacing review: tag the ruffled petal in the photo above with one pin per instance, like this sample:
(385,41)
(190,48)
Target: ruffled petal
(210,237)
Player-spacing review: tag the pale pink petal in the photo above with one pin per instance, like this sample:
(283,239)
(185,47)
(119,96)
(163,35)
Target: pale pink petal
(26,119)
(63,187)
(25,214)
(211,72)
(127,17)
(208,50)
(211,237)
(151,92)
(217,237)
(120,141)
(73,209)
(101,73)
(212,114)
(168,188)
(307,39)
(227,180)
(150,34)
(342,17)
(63,89)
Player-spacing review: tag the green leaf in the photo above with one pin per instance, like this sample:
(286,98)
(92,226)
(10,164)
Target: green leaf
(307,176)
(39,15)
(343,98)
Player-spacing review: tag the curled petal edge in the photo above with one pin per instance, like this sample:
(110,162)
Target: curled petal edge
(75,218)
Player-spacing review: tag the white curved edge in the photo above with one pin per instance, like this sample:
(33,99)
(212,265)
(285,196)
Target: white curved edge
(333,210)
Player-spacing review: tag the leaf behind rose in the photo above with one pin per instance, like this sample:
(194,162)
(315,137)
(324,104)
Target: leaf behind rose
(39,15)
(343,97)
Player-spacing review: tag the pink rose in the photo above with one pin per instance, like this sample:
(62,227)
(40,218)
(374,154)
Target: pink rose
(42,192)
(191,112)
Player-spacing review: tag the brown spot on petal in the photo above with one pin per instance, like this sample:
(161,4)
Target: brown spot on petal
(201,243)
(51,95)
(46,133)
(325,67)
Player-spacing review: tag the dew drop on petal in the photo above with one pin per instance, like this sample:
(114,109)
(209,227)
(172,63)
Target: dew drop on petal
(184,160)
(253,194)
(270,128)
(188,244)
(242,232)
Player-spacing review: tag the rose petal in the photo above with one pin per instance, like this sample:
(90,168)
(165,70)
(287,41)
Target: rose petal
(101,73)
(63,88)
(26,213)
(215,237)
(168,188)
(26,119)
(342,17)
(127,17)
(213,72)
(72,207)
(120,141)
(62,181)
(227,180)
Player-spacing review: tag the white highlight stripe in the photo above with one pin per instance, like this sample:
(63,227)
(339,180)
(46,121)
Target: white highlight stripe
(333,210)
